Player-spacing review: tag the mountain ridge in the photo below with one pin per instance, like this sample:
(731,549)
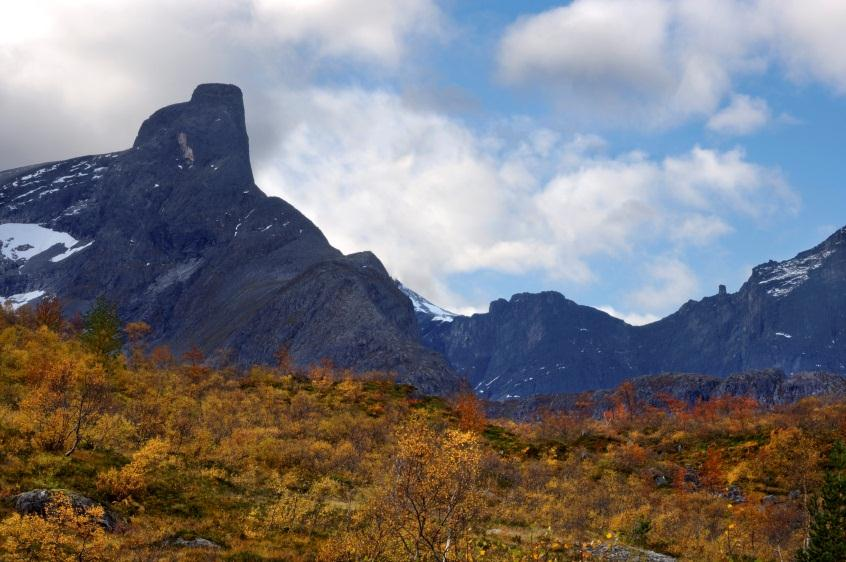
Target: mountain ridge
(788,315)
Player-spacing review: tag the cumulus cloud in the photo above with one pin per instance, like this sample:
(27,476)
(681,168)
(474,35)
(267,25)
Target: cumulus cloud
(434,198)
(672,281)
(808,39)
(579,48)
(706,179)
(80,77)
(664,61)
(742,116)
(634,319)
(376,30)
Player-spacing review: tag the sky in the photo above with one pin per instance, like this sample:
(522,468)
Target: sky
(631,154)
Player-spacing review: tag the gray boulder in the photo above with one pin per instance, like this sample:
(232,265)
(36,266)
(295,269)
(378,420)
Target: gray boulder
(625,553)
(198,542)
(37,501)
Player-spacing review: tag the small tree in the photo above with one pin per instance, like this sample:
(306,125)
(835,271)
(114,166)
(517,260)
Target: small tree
(48,312)
(827,537)
(433,494)
(65,400)
(136,332)
(101,329)
(470,411)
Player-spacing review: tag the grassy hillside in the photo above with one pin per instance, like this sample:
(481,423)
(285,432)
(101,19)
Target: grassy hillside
(280,463)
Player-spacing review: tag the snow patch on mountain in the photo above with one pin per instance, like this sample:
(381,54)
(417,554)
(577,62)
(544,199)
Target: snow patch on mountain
(424,306)
(23,241)
(20,299)
(70,252)
(786,276)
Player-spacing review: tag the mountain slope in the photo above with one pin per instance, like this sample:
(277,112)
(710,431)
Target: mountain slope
(789,315)
(176,231)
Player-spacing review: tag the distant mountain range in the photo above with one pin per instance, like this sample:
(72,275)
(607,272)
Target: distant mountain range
(176,232)
(789,315)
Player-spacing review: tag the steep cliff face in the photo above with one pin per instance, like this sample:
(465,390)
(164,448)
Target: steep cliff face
(789,315)
(531,343)
(176,231)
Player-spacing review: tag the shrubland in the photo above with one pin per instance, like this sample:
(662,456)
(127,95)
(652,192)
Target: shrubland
(285,463)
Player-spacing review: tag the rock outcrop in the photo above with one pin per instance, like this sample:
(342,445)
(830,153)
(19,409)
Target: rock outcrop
(37,502)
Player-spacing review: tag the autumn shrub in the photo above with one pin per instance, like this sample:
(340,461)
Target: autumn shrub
(134,477)
(62,534)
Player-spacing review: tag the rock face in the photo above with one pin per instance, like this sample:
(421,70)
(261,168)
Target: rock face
(536,344)
(176,232)
(789,315)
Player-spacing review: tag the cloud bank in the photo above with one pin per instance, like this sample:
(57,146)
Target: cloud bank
(661,62)
(433,198)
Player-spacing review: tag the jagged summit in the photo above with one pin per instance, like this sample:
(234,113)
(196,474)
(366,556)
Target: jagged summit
(219,94)
(204,131)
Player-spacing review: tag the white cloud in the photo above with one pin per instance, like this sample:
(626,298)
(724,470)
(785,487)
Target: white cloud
(742,116)
(579,48)
(699,230)
(653,61)
(661,62)
(376,30)
(634,319)
(434,198)
(707,179)
(672,282)
(809,40)
(79,77)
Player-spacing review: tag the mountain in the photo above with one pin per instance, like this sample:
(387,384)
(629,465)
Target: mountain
(176,232)
(789,315)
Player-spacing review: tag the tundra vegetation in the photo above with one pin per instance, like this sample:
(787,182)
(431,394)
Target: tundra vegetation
(285,463)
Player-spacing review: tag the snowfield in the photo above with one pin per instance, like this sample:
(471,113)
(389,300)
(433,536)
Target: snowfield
(437,313)
(23,241)
(788,275)
(17,301)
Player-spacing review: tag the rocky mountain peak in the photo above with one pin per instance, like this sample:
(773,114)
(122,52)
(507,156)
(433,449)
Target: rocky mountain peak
(202,132)
(219,94)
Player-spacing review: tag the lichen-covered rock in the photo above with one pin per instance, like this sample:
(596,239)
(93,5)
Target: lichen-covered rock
(198,542)
(623,553)
(37,501)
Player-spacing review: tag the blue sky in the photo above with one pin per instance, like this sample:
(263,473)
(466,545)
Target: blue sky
(631,154)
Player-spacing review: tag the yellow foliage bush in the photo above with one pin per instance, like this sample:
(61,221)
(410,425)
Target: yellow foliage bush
(61,535)
(133,478)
